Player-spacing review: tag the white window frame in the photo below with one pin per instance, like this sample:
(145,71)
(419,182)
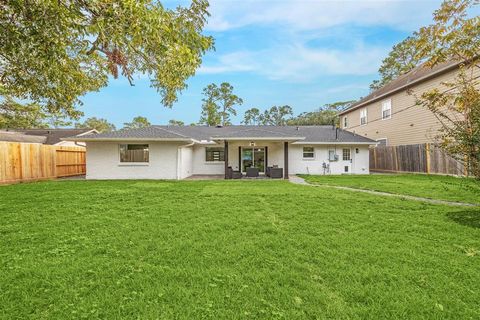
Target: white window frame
(335,157)
(132,163)
(345,122)
(386,141)
(308,152)
(386,105)
(349,154)
(363,117)
(214,161)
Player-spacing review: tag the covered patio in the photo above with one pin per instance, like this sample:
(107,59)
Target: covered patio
(256,153)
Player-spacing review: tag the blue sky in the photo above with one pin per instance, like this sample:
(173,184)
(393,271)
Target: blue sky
(302,53)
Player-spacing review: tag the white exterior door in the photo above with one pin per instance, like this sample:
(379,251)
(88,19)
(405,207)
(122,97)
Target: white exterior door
(346,160)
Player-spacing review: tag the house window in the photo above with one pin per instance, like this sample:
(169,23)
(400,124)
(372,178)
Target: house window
(346,154)
(382,142)
(346,169)
(363,116)
(308,153)
(387,109)
(214,154)
(134,153)
(332,156)
(345,122)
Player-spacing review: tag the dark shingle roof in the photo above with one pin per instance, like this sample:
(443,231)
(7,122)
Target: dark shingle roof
(20,137)
(52,136)
(318,134)
(418,74)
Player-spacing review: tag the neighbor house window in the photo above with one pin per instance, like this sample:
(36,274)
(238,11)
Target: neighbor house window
(214,154)
(134,153)
(345,122)
(382,142)
(346,154)
(331,155)
(308,153)
(387,109)
(363,116)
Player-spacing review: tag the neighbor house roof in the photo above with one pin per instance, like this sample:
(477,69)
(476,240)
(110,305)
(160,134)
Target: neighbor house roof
(403,82)
(12,136)
(53,136)
(204,134)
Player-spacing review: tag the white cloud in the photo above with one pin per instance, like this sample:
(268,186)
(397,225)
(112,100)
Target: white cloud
(299,63)
(311,14)
(240,61)
(294,51)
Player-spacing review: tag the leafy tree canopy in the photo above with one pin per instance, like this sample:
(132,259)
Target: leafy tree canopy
(137,123)
(99,124)
(176,123)
(54,51)
(14,115)
(251,117)
(455,35)
(400,60)
(219,104)
(276,116)
(325,115)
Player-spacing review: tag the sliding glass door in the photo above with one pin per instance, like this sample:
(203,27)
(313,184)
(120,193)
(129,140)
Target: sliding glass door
(253,157)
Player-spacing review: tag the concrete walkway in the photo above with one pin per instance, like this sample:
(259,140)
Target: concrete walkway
(301,181)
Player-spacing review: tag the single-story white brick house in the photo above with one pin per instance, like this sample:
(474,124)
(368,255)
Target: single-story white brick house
(176,152)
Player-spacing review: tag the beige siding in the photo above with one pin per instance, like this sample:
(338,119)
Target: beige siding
(409,124)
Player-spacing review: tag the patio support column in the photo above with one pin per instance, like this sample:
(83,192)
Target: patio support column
(285,160)
(225,152)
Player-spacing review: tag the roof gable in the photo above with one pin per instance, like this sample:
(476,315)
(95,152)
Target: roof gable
(403,82)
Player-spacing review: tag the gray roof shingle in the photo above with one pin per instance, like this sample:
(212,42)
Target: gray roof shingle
(313,134)
(51,136)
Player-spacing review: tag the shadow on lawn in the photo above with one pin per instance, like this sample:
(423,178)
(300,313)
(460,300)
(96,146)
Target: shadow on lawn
(470,218)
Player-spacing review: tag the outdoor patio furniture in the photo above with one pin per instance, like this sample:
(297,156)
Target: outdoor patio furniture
(237,174)
(276,173)
(252,172)
(233,174)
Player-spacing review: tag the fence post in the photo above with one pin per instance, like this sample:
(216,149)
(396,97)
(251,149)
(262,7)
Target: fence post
(427,156)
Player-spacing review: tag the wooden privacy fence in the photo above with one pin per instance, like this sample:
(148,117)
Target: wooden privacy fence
(423,158)
(32,161)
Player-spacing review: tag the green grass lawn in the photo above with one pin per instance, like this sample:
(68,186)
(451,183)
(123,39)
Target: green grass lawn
(428,186)
(232,250)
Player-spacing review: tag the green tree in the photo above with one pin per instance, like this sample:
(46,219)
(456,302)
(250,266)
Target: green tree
(325,115)
(54,52)
(276,116)
(251,117)
(455,35)
(178,123)
(219,104)
(137,123)
(99,124)
(14,115)
(402,59)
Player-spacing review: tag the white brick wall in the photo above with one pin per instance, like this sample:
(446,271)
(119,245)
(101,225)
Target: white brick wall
(103,162)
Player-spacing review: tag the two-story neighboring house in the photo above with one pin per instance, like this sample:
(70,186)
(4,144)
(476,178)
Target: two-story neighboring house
(390,114)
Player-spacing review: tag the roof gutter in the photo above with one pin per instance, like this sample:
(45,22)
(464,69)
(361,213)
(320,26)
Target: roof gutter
(83,139)
(405,86)
(336,142)
(258,138)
